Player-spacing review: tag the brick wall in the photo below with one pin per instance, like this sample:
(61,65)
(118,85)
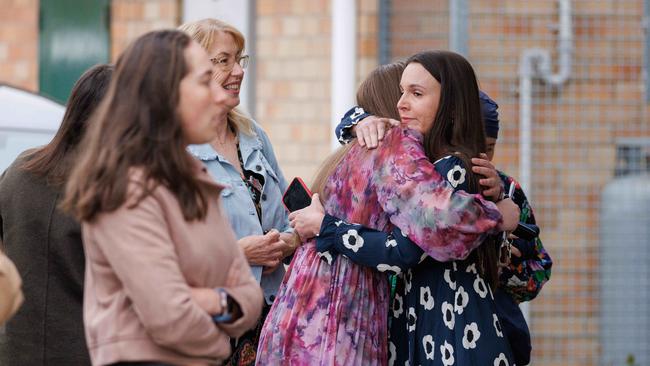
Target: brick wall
(293,76)
(133,18)
(19,43)
(19,33)
(574,133)
(367,37)
(293,43)
(418,25)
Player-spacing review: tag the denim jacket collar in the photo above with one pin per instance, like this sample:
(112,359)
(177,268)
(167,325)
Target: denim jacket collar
(247,144)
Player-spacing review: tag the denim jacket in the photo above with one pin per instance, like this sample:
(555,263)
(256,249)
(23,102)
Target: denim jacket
(258,156)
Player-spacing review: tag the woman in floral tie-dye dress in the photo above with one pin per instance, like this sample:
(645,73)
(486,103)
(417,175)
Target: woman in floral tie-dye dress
(334,312)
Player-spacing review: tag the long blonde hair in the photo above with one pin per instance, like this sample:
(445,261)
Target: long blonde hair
(377,95)
(205,32)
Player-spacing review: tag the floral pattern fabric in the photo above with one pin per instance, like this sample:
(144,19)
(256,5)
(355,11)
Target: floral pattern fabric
(335,314)
(442,313)
(524,278)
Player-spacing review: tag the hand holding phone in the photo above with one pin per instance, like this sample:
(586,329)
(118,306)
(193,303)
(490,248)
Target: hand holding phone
(297,196)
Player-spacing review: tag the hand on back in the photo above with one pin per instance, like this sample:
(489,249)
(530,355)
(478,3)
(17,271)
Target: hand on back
(371,130)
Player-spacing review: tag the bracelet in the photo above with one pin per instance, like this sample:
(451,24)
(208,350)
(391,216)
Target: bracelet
(226,314)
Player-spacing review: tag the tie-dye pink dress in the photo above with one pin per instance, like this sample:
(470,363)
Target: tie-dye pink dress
(336,314)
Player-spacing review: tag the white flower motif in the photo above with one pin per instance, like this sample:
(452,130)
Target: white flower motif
(385,267)
(423,257)
(404,233)
(497,326)
(462,298)
(426,300)
(447,353)
(391,243)
(411,319)
(448,315)
(480,287)
(338,223)
(471,335)
(471,268)
(357,112)
(392,354)
(407,363)
(352,240)
(453,264)
(326,256)
(398,306)
(447,277)
(514,281)
(501,360)
(456,176)
(408,279)
(429,346)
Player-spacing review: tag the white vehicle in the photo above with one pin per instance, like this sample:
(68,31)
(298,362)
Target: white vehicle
(27,120)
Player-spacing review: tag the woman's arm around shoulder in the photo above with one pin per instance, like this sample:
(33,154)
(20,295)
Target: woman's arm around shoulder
(446,224)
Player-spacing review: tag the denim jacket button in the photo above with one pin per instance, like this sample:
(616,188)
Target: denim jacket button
(258,167)
(263,196)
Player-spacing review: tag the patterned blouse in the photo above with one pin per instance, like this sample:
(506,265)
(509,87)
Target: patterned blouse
(443,312)
(333,312)
(524,278)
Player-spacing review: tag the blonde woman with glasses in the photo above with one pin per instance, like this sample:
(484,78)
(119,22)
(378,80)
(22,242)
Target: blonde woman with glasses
(241,157)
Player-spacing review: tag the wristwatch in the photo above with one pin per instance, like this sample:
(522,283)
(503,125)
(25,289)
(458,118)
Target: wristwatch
(226,307)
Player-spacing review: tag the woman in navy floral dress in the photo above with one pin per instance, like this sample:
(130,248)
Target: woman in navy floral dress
(530,264)
(334,312)
(443,313)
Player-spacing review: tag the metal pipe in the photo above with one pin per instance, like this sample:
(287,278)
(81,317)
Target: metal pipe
(384,32)
(344,45)
(646,30)
(251,91)
(458,26)
(536,63)
(564,49)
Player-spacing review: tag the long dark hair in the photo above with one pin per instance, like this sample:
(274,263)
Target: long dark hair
(458,130)
(54,160)
(137,126)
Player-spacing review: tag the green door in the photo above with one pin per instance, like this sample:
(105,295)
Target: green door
(74,35)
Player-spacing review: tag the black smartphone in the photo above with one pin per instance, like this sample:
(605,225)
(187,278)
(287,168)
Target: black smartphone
(297,196)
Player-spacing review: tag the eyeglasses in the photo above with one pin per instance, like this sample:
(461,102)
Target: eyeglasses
(228,63)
